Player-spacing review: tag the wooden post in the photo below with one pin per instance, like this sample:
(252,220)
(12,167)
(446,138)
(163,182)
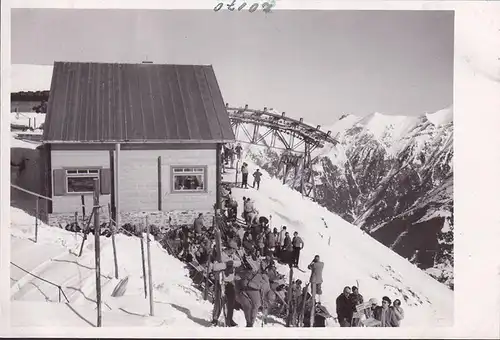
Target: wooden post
(113,228)
(85,234)
(313,298)
(290,291)
(97,246)
(150,274)
(116,183)
(83,206)
(236,172)
(205,289)
(218,177)
(36,220)
(159,184)
(143,264)
(112,212)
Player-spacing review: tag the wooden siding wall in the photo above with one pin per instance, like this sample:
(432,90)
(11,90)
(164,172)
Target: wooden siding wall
(83,159)
(139,178)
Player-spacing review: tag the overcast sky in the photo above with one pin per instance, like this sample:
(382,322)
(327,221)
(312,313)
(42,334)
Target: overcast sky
(312,64)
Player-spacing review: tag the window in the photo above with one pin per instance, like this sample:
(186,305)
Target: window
(81,181)
(188,179)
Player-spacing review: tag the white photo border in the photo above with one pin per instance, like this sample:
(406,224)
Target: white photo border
(477,175)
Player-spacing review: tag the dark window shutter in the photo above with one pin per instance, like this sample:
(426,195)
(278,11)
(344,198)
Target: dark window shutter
(59,180)
(105,181)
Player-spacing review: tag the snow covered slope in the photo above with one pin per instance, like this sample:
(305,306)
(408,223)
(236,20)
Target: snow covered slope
(393,177)
(53,258)
(351,255)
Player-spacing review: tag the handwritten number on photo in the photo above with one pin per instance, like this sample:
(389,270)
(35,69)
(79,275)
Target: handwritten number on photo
(266,6)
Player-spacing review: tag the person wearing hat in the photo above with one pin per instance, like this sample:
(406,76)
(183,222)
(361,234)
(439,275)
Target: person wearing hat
(385,313)
(227,268)
(256,178)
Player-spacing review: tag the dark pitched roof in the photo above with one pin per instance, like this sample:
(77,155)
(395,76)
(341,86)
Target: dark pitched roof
(96,102)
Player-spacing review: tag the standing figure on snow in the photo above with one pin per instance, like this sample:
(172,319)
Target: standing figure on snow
(281,240)
(316,267)
(238,149)
(247,209)
(356,299)
(297,244)
(228,283)
(287,251)
(256,178)
(399,312)
(244,176)
(344,308)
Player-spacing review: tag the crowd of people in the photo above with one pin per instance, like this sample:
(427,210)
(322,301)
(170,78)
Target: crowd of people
(352,312)
(253,239)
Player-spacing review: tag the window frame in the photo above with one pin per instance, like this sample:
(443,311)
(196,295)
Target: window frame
(173,173)
(68,175)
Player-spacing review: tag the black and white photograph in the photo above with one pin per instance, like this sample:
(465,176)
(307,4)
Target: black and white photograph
(232,168)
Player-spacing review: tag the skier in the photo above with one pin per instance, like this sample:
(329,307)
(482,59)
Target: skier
(244,175)
(344,308)
(256,178)
(227,281)
(316,267)
(298,244)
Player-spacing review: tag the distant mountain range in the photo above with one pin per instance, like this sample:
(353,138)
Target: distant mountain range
(393,177)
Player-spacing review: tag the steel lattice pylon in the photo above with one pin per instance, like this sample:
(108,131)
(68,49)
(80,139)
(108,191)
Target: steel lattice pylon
(296,138)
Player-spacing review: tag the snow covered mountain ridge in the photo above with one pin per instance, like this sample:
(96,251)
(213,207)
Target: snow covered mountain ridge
(393,177)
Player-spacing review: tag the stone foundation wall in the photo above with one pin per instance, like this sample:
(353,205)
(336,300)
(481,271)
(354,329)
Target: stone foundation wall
(158,218)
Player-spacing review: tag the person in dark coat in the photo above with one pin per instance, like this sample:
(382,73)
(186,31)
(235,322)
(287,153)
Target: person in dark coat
(356,299)
(244,175)
(287,252)
(270,242)
(297,244)
(344,308)
(256,178)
